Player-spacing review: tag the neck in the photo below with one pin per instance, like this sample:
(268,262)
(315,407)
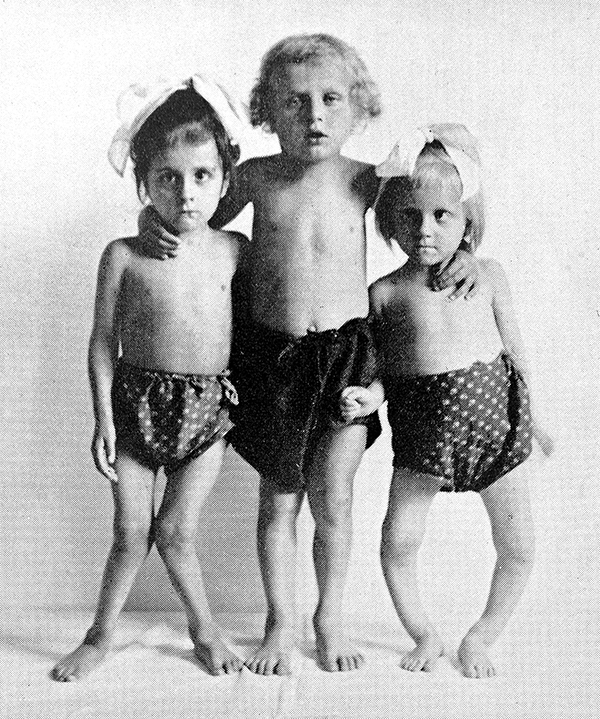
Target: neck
(195,238)
(296,168)
(424,274)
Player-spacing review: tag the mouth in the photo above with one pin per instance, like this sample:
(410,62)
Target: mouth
(315,136)
(426,248)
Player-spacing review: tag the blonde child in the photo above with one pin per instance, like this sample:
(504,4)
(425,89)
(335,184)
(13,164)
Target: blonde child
(158,358)
(301,330)
(455,378)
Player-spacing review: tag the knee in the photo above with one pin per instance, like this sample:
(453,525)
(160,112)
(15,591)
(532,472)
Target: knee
(131,537)
(517,552)
(398,545)
(332,509)
(174,539)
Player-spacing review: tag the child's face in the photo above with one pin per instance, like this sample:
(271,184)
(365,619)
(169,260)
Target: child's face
(185,184)
(429,223)
(312,113)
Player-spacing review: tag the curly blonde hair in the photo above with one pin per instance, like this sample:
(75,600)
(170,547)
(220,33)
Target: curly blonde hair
(298,49)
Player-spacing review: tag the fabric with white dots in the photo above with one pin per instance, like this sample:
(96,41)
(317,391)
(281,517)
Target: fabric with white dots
(164,419)
(469,426)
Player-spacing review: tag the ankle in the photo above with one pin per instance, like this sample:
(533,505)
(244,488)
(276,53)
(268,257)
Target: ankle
(96,637)
(478,635)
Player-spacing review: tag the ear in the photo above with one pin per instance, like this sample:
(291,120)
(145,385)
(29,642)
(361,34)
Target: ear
(224,187)
(467,232)
(359,123)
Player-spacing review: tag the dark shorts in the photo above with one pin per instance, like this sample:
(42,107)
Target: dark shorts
(164,419)
(468,427)
(289,391)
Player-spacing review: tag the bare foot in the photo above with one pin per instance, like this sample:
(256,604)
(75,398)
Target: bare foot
(424,656)
(80,662)
(334,651)
(212,652)
(473,658)
(274,654)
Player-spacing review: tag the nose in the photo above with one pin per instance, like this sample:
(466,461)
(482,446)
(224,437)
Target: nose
(426,226)
(314,110)
(187,189)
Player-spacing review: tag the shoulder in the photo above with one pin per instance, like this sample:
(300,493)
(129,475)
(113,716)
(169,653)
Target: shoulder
(491,270)
(493,274)
(119,252)
(364,180)
(382,289)
(232,242)
(256,168)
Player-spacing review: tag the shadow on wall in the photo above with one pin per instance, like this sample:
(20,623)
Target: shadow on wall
(77,517)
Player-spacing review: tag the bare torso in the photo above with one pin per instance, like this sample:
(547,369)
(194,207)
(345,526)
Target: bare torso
(175,315)
(422,333)
(306,264)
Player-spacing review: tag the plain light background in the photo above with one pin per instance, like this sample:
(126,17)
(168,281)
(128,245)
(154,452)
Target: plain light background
(521,75)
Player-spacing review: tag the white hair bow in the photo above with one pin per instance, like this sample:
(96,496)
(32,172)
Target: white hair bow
(402,160)
(138,102)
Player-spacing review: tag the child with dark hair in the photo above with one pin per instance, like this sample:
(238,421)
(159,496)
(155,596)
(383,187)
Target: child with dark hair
(159,355)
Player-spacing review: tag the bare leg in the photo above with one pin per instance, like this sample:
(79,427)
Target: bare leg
(411,495)
(176,527)
(507,504)
(330,495)
(276,540)
(133,498)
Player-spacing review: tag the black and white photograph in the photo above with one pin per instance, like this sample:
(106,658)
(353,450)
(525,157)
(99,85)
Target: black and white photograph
(300,317)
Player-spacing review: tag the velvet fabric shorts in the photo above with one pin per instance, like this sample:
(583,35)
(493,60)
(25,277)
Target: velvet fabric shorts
(164,419)
(469,426)
(289,391)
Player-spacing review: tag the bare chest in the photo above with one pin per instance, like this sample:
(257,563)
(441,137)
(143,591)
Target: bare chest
(182,287)
(315,222)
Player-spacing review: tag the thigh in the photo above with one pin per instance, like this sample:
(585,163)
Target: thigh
(186,489)
(133,494)
(509,508)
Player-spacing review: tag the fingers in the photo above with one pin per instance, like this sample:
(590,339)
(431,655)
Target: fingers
(350,404)
(451,275)
(462,274)
(545,442)
(462,290)
(156,241)
(104,455)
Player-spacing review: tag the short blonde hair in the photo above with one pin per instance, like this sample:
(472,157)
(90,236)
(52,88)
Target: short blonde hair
(304,48)
(438,164)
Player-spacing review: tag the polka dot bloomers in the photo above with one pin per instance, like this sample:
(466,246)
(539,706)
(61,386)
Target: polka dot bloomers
(468,426)
(167,419)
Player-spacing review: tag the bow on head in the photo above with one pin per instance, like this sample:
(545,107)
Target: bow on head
(402,160)
(138,102)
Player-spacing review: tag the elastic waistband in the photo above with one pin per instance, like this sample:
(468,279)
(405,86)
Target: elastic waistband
(123,366)
(502,357)
(352,325)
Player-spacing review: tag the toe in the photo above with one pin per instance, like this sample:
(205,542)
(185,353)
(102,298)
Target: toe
(283,667)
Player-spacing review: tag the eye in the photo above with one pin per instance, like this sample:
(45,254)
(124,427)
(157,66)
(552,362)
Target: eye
(202,175)
(331,98)
(409,215)
(167,177)
(294,102)
(441,215)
